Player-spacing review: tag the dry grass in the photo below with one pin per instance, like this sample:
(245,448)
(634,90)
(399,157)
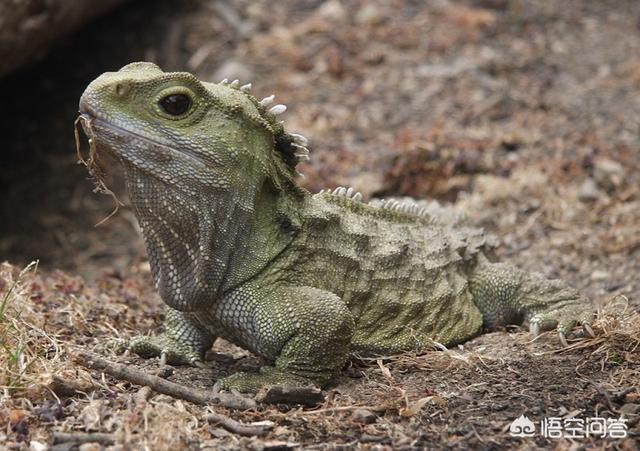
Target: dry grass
(92,164)
(28,353)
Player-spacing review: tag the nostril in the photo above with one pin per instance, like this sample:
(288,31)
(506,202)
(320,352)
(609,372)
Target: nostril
(122,89)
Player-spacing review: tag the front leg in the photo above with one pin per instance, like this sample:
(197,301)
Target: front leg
(184,342)
(305,331)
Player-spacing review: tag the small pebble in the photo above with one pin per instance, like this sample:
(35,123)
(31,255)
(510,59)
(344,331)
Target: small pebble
(90,447)
(37,446)
(589,191)
(164,371)
(369,14)
(608,174)
(599,275)
(364,416)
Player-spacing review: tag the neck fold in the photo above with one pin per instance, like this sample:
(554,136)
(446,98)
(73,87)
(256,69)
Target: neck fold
(204,245)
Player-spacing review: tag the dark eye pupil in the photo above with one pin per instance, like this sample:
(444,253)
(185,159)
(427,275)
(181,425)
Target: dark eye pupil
(175,104)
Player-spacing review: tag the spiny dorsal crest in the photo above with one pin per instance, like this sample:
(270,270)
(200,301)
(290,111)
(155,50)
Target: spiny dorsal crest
(407,206)
(292,146)
(429,209)
(349,193)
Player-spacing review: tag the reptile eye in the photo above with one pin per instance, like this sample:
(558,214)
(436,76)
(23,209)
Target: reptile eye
(175,104)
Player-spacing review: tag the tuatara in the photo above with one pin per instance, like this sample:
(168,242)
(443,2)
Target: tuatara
(238,250)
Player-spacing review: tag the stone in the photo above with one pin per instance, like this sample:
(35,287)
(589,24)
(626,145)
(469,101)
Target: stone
(364,416)
(599,275)
(589,191)
(608,174)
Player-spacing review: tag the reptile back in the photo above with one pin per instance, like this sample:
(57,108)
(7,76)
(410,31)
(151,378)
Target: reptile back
(391,269)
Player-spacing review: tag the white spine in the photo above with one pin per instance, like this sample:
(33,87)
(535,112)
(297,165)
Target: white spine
(278,109)
(267,100)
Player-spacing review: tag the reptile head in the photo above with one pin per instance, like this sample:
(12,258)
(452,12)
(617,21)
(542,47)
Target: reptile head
(198,160)
(189,134)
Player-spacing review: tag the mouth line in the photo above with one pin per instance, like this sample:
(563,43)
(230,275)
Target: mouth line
(93,118)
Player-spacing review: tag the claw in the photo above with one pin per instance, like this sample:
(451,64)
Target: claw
(588,330)
(534,329)
(563,339)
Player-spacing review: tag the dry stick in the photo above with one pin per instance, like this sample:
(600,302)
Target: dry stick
(160,385)
(278,394)
(236,427)
(381,408)
(80,438)
(605,394)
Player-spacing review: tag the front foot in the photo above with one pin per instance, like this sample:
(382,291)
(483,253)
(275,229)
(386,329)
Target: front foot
(267,377)
(169,350)
(563,321)
(183,343)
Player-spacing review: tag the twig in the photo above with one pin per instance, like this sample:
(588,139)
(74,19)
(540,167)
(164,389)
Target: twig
(80,438)
(605,394)
(306,396)
(619,395)
(160,385)
(382,408)
(236,427)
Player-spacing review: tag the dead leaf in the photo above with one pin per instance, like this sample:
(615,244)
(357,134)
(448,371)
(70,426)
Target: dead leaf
(417,406)
(385,371)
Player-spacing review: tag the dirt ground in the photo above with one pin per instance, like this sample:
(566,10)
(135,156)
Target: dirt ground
(523,115)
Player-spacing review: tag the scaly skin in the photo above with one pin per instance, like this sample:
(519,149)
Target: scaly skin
(239,251)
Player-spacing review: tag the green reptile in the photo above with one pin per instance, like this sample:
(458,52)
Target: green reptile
(238,250)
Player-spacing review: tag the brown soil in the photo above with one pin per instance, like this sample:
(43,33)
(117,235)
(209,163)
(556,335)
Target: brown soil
(523,115)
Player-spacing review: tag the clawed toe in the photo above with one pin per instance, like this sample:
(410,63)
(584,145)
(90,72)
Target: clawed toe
(534,329)
(563,339)
(563,322)
(168,351)
(563,325)
(588,330)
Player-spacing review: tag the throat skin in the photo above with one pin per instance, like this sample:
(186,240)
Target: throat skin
(204,242)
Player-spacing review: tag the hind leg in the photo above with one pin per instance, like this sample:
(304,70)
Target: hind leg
(507,295)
